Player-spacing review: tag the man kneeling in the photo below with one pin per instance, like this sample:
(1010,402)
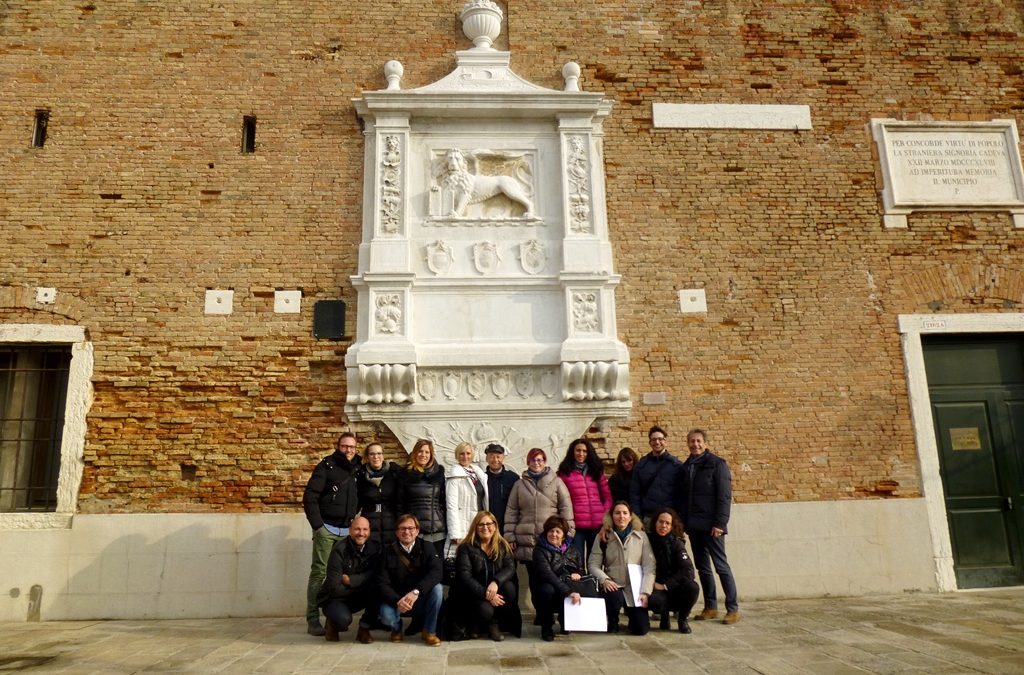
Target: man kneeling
(350,584)
(410,582)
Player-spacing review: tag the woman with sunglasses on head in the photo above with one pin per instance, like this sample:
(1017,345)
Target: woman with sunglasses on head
(422,492)
(484,593)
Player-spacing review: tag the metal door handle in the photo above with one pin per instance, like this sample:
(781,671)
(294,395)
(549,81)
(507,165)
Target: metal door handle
(1009,503)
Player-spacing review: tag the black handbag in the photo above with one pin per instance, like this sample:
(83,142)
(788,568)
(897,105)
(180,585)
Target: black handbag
(587,586)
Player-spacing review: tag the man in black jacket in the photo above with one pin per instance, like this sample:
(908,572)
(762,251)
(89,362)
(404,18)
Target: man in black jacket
(653,485)
(409,582)
(350,584)
(705,500)
(499,482)
(330,504)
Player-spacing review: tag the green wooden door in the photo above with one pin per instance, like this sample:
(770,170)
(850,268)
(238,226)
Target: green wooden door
(976,386)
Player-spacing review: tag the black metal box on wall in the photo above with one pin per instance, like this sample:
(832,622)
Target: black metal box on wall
(329,320)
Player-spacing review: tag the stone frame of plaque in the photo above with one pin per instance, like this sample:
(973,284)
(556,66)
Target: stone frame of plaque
(949,166)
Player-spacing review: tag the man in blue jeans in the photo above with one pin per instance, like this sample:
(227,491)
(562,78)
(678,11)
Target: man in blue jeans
(410,582)
(330,504)
(704,494)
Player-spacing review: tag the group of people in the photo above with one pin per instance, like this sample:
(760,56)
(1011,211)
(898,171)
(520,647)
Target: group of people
(387,540)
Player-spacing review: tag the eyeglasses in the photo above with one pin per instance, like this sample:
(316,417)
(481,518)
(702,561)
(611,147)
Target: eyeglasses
(537,460)
(657,439)
(486,525)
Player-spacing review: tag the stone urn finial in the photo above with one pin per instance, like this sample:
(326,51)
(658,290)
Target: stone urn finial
(481,22)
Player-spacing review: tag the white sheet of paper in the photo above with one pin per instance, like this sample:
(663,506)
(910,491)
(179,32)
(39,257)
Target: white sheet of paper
(636,580)
(589,615)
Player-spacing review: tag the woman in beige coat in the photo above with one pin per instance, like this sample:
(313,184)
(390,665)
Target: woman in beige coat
(539,495)
(624,543)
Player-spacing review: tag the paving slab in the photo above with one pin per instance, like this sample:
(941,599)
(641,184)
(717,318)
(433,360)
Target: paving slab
(916,633)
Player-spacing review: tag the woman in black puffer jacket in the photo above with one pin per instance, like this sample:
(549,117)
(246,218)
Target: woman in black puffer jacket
(485,593)
(675,589)
(555,560)
(421,492)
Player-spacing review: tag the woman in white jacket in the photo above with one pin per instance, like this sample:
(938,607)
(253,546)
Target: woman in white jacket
(465,492)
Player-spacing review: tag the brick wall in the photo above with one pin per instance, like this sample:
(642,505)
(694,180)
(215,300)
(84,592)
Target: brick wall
(141,200)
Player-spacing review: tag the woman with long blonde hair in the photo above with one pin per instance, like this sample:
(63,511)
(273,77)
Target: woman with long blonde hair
(484,593)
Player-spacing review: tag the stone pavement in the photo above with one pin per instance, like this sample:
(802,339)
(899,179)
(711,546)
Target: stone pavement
(965,632)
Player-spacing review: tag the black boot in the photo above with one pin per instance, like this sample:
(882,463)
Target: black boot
(684,625)
(547,633)
(494,632)
(666,621)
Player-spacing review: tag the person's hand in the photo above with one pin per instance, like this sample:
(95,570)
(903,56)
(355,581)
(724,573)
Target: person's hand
(603,536)
(406,602)
(610,586)
(643,600)
(717,532)
(575,597)
(345,580)
(660,587)
(497,600)
(512,545)
(491,591)
(575,577)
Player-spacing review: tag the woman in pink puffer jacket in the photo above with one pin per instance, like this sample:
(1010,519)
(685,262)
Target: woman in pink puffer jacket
(583,474)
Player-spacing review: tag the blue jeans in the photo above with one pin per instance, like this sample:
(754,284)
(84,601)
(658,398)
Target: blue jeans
(708,549)
(428,606)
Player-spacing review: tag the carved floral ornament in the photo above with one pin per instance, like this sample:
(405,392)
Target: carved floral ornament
(585,312)
(390,186)
(388,314)
(578,172)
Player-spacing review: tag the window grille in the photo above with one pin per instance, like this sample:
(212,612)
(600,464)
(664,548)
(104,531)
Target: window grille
(33,392)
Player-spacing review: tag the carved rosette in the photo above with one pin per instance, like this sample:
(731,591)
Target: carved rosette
(388,315)
(578,173)
(586,317)
(390,186)
(532,256)
(486,257)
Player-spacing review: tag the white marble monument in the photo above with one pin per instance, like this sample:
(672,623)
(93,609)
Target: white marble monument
(485,280)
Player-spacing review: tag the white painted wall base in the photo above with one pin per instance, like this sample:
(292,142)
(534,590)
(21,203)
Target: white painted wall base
(201,565)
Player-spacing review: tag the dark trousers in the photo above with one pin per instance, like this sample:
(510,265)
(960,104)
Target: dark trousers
(708,549)
(584,541)
(339,612)
(676,599)
(481,612)
(639,619)
(548,602)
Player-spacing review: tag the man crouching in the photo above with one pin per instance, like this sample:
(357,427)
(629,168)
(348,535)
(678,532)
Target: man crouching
(350,584)
(410,582)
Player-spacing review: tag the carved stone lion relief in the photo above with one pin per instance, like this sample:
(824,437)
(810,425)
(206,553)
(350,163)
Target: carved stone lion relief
(482,184)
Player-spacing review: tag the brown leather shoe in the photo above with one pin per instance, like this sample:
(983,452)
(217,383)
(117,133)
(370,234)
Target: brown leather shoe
(430,639)
(330,632)
(706,615)
(363,636)
(731,618)
(396,636)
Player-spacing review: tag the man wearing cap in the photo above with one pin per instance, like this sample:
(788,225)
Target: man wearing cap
(499,482)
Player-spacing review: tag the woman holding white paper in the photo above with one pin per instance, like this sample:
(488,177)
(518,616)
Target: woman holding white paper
(556,563)
(626,546)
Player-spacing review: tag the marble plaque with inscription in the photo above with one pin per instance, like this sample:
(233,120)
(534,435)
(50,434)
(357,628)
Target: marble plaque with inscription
(950,166)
